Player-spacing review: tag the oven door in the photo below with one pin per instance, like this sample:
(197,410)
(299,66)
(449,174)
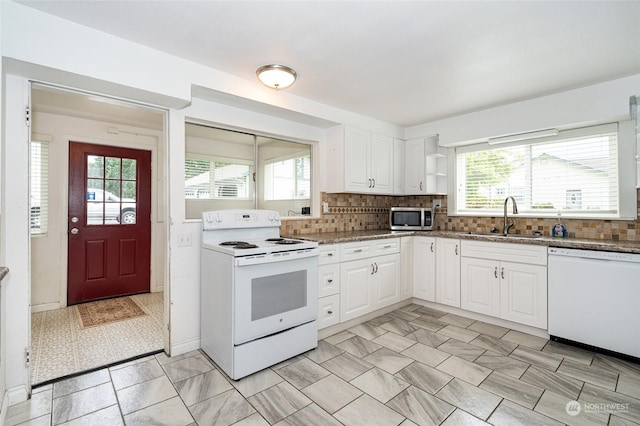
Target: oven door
(274,294)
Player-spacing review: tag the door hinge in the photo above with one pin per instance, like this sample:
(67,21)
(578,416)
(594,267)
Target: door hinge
(27,357)
(27,116)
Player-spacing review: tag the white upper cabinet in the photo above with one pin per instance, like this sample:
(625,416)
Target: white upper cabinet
(398,167)
(425,167)
(414,167)
(359,161)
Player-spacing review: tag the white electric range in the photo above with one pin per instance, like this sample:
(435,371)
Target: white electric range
(258,291)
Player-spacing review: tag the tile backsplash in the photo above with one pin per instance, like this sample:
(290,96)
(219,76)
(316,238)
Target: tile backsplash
(359,212)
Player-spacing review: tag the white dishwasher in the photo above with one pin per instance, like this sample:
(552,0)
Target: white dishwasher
(594,298)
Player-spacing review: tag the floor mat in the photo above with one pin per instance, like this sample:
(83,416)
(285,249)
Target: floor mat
(108,311)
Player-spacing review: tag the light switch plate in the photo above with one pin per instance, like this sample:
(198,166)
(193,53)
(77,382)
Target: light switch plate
(184,240)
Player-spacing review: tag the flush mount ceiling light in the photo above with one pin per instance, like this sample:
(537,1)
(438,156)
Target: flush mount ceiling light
(276,76)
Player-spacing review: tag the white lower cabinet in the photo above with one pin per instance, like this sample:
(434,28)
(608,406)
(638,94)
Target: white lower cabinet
(509,290)
(406,271)
(328,286)
(448,271)
(371,282)
(328,311)
(424,268)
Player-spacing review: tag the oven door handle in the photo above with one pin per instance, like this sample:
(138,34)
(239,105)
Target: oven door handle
(284,256)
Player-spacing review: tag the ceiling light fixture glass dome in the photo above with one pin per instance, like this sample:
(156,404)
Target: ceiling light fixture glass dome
(276,76)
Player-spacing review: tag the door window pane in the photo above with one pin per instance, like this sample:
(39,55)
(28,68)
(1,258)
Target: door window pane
(111,200)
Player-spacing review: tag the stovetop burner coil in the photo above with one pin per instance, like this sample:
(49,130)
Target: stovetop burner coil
(286,242)
(233,243)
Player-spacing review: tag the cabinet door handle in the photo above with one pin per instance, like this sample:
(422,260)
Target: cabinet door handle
(502,273)
(330,312)
(373,269)
(374,183)
(431,247)
(387,246)
(329,280)
(330,254)
(420,186)
(495,272)
(357,251)
(456,249)
(376,267)
(370,183)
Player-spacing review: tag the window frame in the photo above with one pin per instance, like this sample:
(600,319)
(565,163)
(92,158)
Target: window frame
(627,192)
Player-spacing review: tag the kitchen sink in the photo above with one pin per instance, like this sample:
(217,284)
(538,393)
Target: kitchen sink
(495,234)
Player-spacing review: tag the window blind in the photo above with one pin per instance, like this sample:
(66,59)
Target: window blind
(39,188)
(575,172)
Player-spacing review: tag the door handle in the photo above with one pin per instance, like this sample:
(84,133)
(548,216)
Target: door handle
(74,231)
(75,219)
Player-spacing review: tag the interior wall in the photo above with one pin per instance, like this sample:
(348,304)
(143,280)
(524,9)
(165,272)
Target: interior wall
(49,252)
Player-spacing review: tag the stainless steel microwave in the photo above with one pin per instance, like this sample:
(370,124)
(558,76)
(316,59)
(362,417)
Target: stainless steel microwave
(411,219)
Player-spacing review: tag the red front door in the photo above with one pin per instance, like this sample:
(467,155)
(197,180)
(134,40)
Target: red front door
(109,222)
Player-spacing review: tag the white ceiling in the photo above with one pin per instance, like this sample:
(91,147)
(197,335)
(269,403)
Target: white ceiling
(402,62)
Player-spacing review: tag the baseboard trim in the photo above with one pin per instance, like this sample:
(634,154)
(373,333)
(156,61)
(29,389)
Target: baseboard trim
(3,408)
(17,394)
(45,307)
(185,346)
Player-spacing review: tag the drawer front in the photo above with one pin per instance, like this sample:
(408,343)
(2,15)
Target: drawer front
(329,254)
(508,252)
(388,246)
(353,251)
(328,311)
(328,280)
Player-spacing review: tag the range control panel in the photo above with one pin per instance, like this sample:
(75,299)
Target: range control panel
(235,219)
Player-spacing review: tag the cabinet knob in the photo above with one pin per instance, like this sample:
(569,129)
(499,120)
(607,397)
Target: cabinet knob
(330,254)
(329,280)
(330,312)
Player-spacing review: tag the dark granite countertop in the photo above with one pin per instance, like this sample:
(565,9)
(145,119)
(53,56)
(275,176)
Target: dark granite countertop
(577,243)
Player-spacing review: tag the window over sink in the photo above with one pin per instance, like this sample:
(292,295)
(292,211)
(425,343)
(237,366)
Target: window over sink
(582,173)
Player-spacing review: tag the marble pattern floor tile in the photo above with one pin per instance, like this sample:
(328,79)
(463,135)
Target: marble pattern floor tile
(347,366)
(512,389)
(425,354)
(388,360)
(367,411)
(555,406)
(421,407)
(511,414)
(428,338)
(504,364)
(494,344)
(533,342)
(470,398)
(586,373)
(555,382)
(380,384)
(459,333)
(539,358)
(461,350)
(464,370)
(431,377)
(278,402)
(394,341)
(424,377)
(613,402)
(462,418)
(488,329)
(331,393)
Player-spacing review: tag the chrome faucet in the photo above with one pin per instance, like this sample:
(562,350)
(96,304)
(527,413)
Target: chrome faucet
(507,225)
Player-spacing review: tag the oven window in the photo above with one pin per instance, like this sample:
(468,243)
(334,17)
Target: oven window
(278,294)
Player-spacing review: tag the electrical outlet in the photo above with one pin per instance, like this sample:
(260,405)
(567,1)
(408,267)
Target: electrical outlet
(325,207)
(184,240)
(437,204)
